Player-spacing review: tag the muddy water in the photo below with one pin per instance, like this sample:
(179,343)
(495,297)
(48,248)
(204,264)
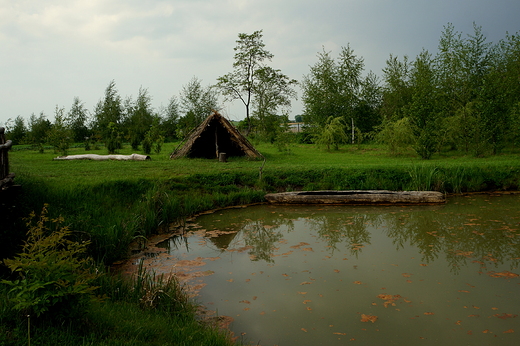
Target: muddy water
(425,275)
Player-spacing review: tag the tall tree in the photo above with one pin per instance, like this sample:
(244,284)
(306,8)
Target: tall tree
(336,88)
(38,130)
(396,92)
(60,135)
(140,117)
(422,109)
(170,118)
(196,102)
(273,93)
(108,111)
(17,131)
(77,119)
(250,56)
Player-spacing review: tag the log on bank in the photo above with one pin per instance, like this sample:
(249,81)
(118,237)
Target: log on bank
(357,197)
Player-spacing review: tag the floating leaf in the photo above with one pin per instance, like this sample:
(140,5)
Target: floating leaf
(504,274)
(429,313)
(337,333)
(299,245)
(384,296)
(406,275)
(463,291)
(358,282)
(509,331)
(307,301)
(368,318)
(306,283)
(504,316)
(305,330)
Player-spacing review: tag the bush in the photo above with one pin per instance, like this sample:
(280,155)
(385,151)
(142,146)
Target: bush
(54,273)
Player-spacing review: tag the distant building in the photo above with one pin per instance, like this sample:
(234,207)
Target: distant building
(295,127)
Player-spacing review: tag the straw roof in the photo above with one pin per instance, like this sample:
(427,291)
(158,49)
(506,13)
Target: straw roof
(213,136)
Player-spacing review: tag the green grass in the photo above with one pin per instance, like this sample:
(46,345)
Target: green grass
(113,203)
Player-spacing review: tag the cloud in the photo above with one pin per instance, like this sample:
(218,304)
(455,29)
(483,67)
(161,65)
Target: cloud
(54,50)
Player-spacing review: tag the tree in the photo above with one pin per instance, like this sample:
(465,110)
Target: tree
(18,131)
(153,139)
(38,130)
(170,118)
(336,88)
(333,133)
(397,135)
(272,91)
(60,136)
(422,109)
(139,117)
(77,120)
(250,55)
(197,103)
(108,110)
(396,92)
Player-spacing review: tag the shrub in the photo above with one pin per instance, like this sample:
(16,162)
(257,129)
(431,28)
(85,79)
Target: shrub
(54,273)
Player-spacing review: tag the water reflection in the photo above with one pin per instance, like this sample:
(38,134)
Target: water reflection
(491,236)
(377,275)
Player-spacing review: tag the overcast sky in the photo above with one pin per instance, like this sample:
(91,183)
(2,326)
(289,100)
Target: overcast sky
(54,50)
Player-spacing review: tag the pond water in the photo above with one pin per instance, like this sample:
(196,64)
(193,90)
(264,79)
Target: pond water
(300,275)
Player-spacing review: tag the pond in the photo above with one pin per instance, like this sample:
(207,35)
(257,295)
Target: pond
(331,275)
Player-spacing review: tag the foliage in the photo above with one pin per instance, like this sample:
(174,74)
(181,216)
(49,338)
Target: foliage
(77,121)
(272,91)
(422,109)
(39,128)
(170,117)
(54,274)
(18,131)
(245,81)
(333,133)
(336,88)
(397,135)
(153,138)
(138,117)
(108,110)
(197,103)
(60,135)
(113,140)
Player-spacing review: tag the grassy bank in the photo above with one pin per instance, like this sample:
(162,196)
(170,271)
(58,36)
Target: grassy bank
(112,203)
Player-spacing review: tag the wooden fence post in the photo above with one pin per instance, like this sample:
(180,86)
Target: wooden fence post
(6,179)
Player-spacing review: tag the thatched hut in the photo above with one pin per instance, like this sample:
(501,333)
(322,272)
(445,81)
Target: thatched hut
(215,136)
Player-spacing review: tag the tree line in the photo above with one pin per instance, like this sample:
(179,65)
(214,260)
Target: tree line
(464,97)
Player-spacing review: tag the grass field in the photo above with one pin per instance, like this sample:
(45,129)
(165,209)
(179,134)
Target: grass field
(117,202)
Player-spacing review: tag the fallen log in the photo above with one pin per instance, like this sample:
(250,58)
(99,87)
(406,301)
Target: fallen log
(356,197)
(95,157)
